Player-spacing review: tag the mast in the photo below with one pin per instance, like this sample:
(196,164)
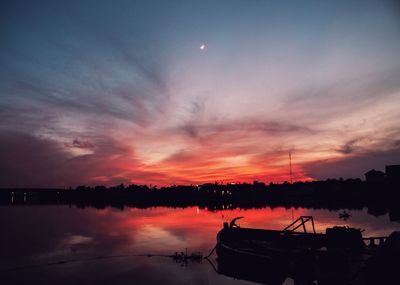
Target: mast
(290,167)
(291,179)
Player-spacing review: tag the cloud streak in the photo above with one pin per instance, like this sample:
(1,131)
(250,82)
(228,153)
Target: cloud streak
(122,93)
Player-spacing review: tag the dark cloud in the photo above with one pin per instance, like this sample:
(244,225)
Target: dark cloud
(199,130)
(197,108)
(80,144)
(352,166)
(349,147)
(29,161)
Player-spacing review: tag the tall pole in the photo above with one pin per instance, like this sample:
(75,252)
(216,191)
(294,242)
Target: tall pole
(291,180)
(290,167)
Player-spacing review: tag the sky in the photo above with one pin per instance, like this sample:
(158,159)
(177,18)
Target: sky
(187,92)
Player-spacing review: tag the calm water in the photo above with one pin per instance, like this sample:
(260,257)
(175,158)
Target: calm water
(33,238)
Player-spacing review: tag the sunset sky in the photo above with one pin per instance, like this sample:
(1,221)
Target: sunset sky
(179,92)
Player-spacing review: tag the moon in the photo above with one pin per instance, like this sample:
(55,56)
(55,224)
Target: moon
(203,47)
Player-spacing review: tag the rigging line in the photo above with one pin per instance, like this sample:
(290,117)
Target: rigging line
(211,252)
(62,262)
(212,264)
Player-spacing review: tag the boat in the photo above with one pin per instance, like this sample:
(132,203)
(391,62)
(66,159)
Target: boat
(337,254)
(291,242)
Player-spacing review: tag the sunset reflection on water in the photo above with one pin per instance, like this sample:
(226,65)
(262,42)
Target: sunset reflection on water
(40,235)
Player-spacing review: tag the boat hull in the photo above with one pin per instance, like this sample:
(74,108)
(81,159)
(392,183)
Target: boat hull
(338,257)
(268,256)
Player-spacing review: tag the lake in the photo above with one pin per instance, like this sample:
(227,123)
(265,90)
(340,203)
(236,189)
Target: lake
(64,245)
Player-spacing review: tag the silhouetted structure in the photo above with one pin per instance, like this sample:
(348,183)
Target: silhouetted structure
(393,174)
(374,176)
(341,256)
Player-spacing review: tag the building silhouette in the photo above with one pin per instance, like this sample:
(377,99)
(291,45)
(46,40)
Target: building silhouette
(393,174)
(374,176)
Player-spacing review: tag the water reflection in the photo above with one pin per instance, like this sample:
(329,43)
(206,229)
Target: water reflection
(49,234)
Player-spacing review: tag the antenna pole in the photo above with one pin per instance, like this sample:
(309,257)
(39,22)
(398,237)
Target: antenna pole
(290,166)
(291,182)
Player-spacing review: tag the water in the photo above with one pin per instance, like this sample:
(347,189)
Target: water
(59,245)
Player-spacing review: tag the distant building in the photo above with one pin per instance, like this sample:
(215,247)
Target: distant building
(393,173)
(374,176)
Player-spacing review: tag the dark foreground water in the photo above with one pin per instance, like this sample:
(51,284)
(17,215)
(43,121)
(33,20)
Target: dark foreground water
(62,245)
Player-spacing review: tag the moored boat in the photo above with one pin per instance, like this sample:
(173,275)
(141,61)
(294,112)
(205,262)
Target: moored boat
(339,252)
(291,241)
